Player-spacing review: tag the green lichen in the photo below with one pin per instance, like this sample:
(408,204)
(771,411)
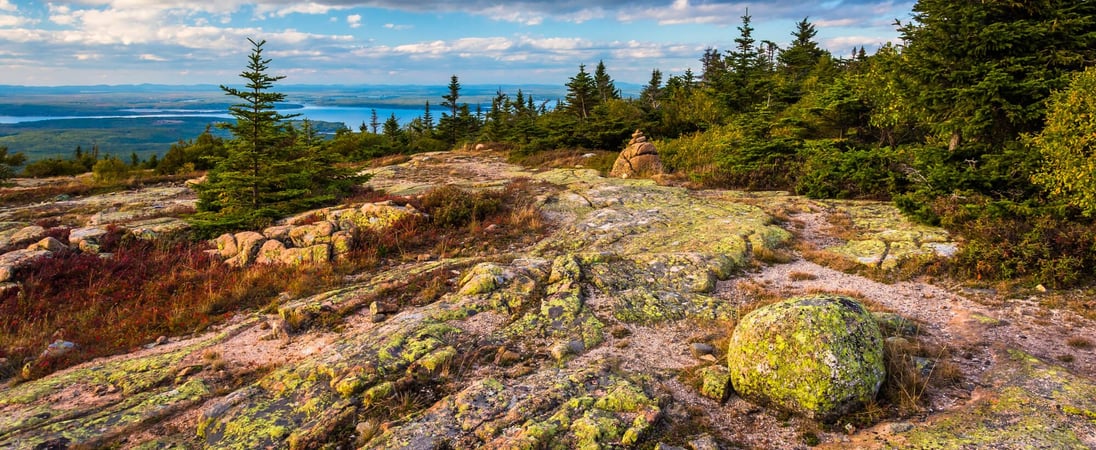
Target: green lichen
(715,382)
(624,397)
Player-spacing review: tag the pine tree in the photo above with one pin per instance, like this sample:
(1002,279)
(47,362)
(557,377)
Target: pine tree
(606,88)
(581,93)
(392,127)
(985,69)
(450,124)
(427,118)
(652,92)
(269,168)
(256,164)
(374,121)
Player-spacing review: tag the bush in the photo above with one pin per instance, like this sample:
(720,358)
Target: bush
(1013,241)
(830,169)
(450,206)
(110,170)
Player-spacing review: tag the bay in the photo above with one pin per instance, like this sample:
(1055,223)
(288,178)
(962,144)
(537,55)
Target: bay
(352,116)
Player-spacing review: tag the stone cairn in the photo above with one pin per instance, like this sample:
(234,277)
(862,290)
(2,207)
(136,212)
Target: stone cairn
(638,160)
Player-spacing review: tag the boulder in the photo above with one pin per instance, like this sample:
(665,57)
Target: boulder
(11,261)
(316,254)
(312,234)
(31,233)
(158,227)
(248,243)
(49,244)
(639,160)
(375,216)
(270,252)
(820,356)
(87,239)
(342,242)
(279,232)
(226,245)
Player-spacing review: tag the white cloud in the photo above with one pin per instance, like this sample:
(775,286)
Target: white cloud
(151,57)
(87,56)
(7,21)
(354,20)
(392,26)
(6,5)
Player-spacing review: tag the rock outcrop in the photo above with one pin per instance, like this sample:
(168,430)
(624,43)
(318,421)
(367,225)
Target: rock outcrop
(315,237)
(820,357)
(639,160)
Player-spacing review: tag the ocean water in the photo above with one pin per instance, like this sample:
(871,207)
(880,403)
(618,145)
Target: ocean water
(352,116)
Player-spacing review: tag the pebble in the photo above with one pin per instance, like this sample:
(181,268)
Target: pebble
(701,349)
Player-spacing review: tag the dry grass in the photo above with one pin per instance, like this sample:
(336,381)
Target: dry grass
(801,276)
(1079,342)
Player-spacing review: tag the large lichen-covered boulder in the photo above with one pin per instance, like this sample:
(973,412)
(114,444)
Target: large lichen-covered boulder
(820,356)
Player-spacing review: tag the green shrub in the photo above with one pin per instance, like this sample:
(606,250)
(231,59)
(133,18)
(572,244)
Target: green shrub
(110,170)
(834,169)
(450,206)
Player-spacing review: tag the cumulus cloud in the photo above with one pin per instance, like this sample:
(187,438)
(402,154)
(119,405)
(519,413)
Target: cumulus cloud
(354,20)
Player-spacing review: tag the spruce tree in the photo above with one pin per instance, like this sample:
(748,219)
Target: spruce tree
(581,93)
(450,125)
(606,88)
(253,174)
(985,69)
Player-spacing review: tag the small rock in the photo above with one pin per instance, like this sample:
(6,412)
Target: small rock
(31,233)
(58,348)
(661,446)
(715,382)
(226,245)
(899,427)
(897,341)
(703,442)
(1040,288)
(700,349)
(161,340)
(506,357)
(376,318)
(561,349)
(709,358)
(384,307)
(424,257)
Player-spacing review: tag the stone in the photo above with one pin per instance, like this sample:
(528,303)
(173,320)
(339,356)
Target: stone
(87,239)
(506,357)
(315,254)
(279,232)
(384,307)
(639,160)
(49,244)
(312,234)
(820,356)
(58,348)
(157,227)
(715,382)
(703,442)
(11,261)
(700,349)
(226,245)
(562,349)
(31,233)
(248,242)
(342,242)
(270,252)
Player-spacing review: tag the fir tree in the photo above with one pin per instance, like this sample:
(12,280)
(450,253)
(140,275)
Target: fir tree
(581,93)
(606,88)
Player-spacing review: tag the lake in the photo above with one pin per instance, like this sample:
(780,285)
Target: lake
(352,116)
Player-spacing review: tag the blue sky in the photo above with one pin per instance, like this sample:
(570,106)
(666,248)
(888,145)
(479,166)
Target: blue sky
(80,42)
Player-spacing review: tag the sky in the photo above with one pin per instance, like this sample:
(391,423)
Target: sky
(86,42)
